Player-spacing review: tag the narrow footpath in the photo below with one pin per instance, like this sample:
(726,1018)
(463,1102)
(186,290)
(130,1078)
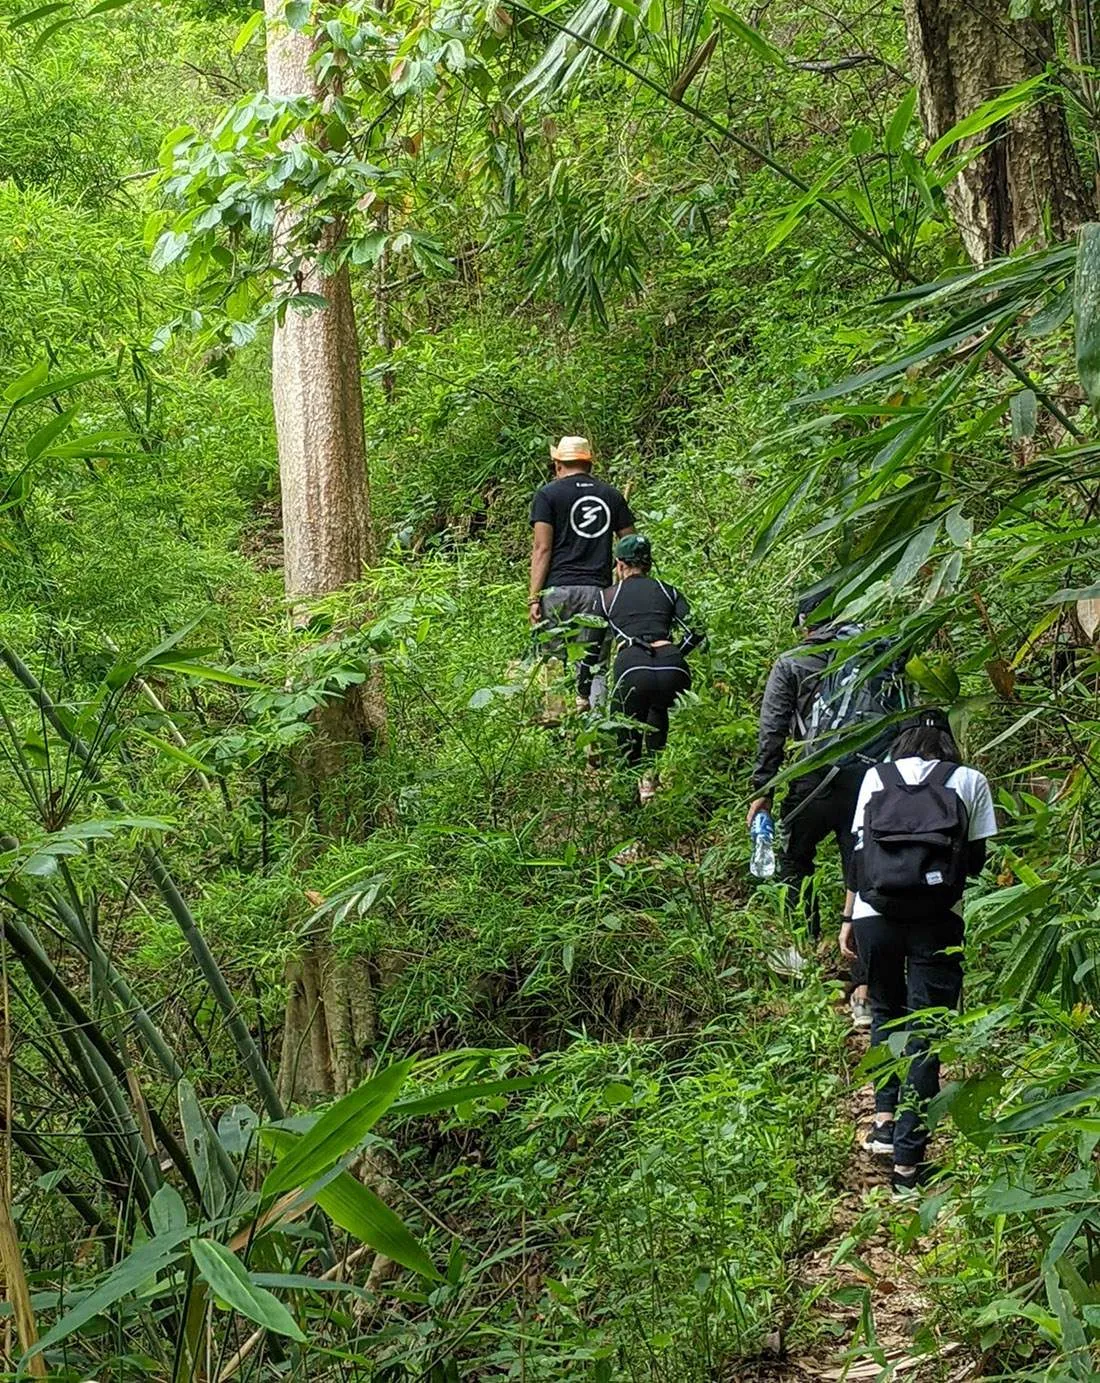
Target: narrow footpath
(858,1278)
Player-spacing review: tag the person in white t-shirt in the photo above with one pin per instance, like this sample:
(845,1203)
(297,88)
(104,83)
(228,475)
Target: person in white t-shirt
(913,964)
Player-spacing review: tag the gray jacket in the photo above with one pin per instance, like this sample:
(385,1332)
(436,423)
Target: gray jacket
(788,700)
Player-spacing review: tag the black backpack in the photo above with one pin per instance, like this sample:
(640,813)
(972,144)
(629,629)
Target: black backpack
(913,860)
(847,698)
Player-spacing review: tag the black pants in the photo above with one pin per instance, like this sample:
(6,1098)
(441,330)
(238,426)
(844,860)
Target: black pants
(647,682)
(816,807)
(908,970)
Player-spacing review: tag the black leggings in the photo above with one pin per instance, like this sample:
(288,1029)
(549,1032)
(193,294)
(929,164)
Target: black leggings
(647,682)
(910,966)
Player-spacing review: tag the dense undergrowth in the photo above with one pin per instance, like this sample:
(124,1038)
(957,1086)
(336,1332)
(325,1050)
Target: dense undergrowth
(640,1212)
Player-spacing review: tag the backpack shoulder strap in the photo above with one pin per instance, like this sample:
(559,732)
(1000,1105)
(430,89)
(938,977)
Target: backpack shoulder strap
(889,775)
(940,774)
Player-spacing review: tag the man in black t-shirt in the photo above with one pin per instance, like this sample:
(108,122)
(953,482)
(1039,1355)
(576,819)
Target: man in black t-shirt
(575,520)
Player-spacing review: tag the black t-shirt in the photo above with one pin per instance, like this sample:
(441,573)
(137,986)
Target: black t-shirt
(585,514)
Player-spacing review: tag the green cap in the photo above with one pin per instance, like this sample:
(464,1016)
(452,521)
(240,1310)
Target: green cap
(634,550)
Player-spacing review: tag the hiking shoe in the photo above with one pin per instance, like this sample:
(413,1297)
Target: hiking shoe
(913,1179)
(861,1013)
(647,788)
(878,1139)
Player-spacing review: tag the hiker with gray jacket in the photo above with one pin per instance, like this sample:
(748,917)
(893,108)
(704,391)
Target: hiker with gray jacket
(808,700)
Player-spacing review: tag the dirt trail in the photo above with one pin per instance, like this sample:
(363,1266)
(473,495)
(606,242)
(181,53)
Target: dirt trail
(876,1272)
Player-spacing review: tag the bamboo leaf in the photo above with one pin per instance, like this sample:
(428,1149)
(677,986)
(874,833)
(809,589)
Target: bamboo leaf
(27,382)
(357,1209)
(988,114)
(341,1128)
(227,1277)
(132,1274)
(750,37)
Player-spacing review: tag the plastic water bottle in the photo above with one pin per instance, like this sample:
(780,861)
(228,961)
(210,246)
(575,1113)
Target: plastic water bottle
(762,833)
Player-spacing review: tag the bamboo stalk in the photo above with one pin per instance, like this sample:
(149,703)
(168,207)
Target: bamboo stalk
(243,1040)
(11,1257)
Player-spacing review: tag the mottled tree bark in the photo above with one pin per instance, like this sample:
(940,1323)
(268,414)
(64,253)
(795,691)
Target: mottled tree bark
(1027,186)
(318,399)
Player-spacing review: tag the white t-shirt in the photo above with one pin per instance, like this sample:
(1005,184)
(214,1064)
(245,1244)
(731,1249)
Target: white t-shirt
(972,787)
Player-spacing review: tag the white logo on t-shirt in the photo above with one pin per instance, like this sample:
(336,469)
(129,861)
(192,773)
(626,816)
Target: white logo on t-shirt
(590,517)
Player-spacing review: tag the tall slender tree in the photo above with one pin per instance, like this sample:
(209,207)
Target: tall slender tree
(315,380)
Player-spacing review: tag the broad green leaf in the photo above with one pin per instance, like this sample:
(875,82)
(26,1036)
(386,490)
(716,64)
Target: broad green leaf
(988,114)
(227,1277)
(297,14)
(167,1212)
(914,557)
(131,1275)
(934,674)
(341,1128)
(53,387)
(27,382)
(357,1209)
(798,209)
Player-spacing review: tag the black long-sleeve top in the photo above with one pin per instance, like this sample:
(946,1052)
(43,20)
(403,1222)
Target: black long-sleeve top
(642,610)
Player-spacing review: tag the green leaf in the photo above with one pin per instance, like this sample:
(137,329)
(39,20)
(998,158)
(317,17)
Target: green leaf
(934,674)
(247,32)
(39,12)
(228,1279)
(132,1274)
(167,1212)
(461,1094)
(40,440)
(105,6)
(1048,1110)
(297,14)
(988,114)
(51,29)
(341,1128)
(202,673)
(27,382)
(900,122)
(175,752)
(752,38)
(170,246)
(357,1209)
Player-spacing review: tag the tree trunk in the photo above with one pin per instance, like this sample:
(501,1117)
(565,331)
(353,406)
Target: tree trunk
(1027,186)
(318,399)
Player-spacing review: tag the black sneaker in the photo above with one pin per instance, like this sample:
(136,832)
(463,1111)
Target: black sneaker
(879,1139)
(910,1182)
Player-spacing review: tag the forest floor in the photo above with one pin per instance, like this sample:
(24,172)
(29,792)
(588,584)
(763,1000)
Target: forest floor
(856,1279)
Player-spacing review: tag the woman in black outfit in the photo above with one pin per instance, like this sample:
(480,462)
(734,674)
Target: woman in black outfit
(650,671)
